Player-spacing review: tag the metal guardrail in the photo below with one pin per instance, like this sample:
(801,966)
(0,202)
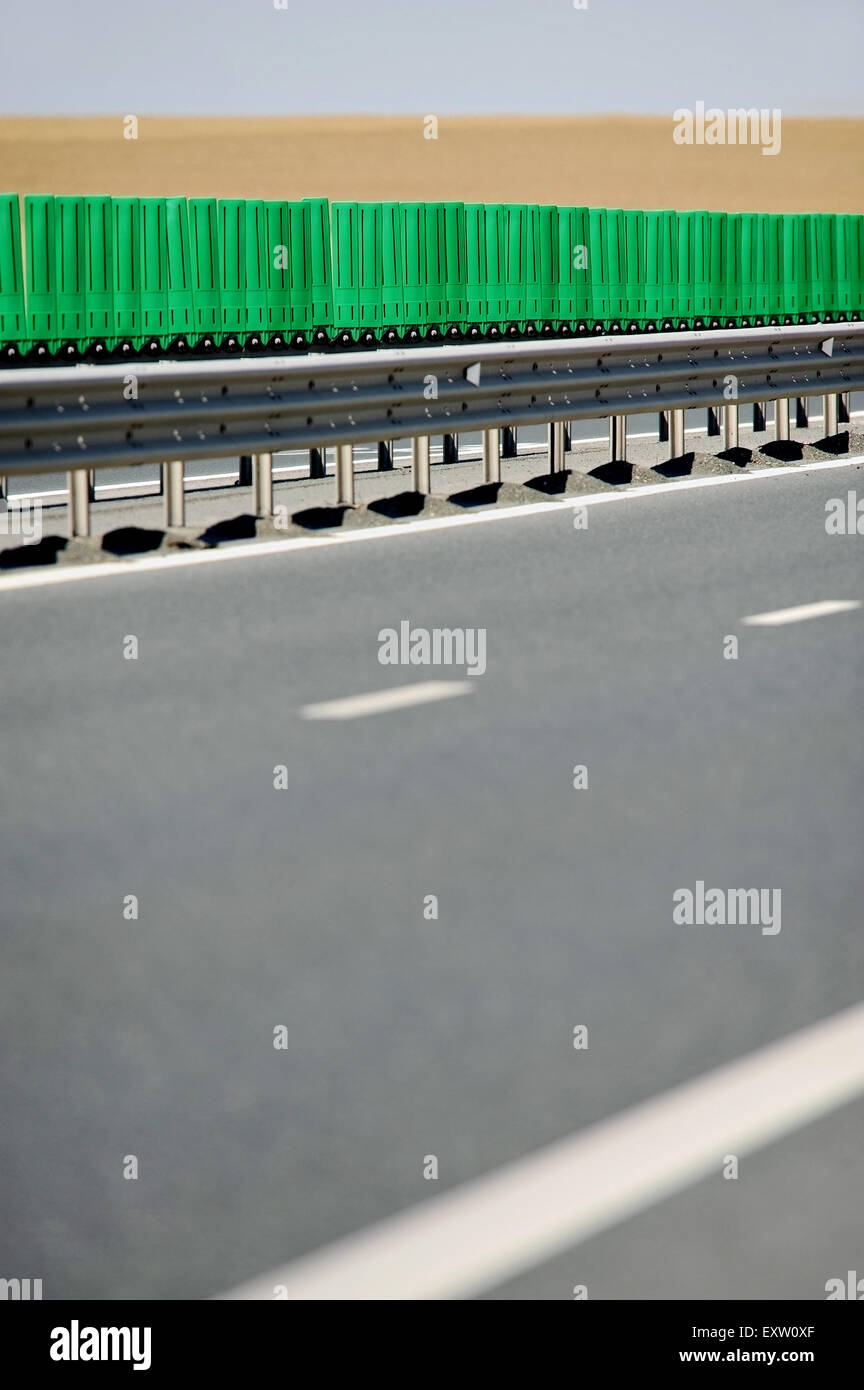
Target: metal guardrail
(117,415)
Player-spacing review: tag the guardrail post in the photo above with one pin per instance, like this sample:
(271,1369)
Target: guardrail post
(758,417)
(4,489)
(262,481)
(451,448)
(730,426)
(555,445)
(713,421)
(663,426)
(317,463)
(844,408)
(830,412)
(801,420)
(79,502)
(345,475)
(244,478)
(175,493)
(420,471)
(508,442)
(385,456)
(781,419)
(618,438)
(492,456)
(676,433)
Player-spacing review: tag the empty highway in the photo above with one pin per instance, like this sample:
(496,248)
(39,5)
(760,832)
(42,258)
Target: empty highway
(285,1029)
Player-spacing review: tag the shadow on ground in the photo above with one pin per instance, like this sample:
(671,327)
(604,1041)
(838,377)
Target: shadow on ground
(44,552)
(681,467)
(320,518)
(620,474)
(784,450)
(236,528)
(834,444)
(740,457)
(132,540)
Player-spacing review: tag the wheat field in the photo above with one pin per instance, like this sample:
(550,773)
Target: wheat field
(611,161)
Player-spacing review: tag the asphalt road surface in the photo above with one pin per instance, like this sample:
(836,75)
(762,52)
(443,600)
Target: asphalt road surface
(302,908)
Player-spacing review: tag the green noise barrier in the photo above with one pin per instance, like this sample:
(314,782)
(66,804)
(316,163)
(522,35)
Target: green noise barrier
(100,277)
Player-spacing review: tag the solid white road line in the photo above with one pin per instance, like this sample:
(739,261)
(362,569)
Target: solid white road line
(780,616)
(379,701)
(488,1230)
(251,550)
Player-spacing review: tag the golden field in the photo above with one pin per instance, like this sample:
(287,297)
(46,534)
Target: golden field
(610,161)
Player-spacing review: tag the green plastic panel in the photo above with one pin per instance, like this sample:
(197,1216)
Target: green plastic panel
(204,262)
(99,272)
(516,264)
(278,250)
(825,273)
(633,263)
(316,232)
(357,266)
(711,228)
(752,266)
(484,265)
(301,290)
(772,294)
(69,251)
(256,300)
(41,270)
(127,269)
(414,265)
(615,265)
(369,266)
(13,315)
(180,289)
(600,269)
(813,289)
(423,265)
(154,271)
(661,266)
(685,300)
(849,234)
(574,299)
(344,233)
(392,292)
(795,262)
(543,264)
(455,300)
(232,267)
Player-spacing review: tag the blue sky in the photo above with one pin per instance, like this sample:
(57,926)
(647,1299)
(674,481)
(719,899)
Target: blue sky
(245,57)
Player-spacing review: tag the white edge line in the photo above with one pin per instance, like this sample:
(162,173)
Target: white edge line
(378,701)
(259,549)
(483,1233)
(822,608)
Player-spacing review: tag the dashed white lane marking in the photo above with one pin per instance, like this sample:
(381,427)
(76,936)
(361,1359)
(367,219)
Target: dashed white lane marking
(483,1233)
(379,701)
(780,616)
(253,550)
